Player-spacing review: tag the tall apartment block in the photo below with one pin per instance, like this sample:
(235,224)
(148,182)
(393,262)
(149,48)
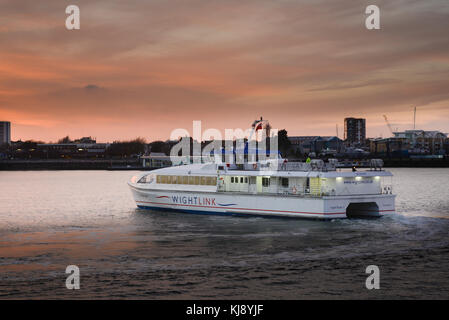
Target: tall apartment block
(5,132)
(355,131)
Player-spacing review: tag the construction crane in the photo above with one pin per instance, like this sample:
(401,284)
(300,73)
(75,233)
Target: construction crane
(388,124)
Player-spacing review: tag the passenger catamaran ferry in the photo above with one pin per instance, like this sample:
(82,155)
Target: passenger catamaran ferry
(268,188)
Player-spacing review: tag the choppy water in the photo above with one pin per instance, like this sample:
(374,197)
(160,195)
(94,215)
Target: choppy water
(51,219)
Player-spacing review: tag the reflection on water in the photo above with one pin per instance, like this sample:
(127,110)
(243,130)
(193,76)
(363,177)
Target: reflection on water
(49,220)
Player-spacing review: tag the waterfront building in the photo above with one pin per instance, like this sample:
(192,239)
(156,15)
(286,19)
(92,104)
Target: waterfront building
(355,131)
(395,147)
(73,150)
(5,132)
(409,142)
(316,144)
(423,142)
(156,160)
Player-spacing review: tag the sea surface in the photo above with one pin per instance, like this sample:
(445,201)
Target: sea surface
(52,219)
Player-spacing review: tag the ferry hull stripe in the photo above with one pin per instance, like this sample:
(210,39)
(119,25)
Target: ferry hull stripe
(249,209)
(209,212)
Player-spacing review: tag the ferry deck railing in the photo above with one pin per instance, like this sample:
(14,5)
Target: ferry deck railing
(301,192)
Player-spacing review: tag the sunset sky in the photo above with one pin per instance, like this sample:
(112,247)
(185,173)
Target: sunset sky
(144,68)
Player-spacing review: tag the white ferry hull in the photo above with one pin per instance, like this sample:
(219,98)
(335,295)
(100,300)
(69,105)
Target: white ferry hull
(326,207)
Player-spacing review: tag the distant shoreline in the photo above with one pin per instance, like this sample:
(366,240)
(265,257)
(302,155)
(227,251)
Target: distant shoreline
(135,164)
(78,164)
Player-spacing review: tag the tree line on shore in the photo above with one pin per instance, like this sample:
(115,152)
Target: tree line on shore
(31,149)
(67,148)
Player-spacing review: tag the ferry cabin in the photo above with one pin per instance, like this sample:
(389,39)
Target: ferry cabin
(293,190)
(308,183)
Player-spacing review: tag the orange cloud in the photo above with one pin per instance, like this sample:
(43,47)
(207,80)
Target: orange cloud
(143,69)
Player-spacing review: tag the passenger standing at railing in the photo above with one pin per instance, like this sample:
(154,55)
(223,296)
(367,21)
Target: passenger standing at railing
(284,165)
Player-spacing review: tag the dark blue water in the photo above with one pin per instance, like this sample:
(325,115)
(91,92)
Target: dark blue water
(51,219)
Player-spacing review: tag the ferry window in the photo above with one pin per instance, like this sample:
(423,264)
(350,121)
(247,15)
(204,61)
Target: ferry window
(169,179)
(232,179)
(265,182)
(241,179)
(158,179)
(179,179)
(185,180)
(163,179)
(142,180)
(146,179)
(211,181)
(191,180)
(197,180)
(246,179)
(284,182)
(203,181)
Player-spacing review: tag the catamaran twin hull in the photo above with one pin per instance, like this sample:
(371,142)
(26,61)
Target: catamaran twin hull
(325,207)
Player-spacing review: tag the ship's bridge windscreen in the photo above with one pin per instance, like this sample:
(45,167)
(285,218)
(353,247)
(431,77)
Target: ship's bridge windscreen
(149,178)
